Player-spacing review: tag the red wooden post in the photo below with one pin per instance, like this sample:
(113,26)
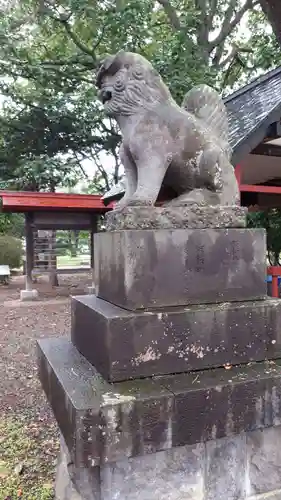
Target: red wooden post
(275,286)
(275,272)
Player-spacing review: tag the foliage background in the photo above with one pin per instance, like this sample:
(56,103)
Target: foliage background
(53,134)
(53,131)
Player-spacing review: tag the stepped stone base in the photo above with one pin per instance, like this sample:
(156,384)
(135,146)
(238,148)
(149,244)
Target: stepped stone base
(103,423)
(211,435)
(243,467)
(125,344)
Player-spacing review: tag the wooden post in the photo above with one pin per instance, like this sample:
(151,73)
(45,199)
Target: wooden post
(275,272)
(29,257)
(275,291)
(28,293)
(94,229)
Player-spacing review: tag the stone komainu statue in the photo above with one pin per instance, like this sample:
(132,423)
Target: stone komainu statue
(184,148)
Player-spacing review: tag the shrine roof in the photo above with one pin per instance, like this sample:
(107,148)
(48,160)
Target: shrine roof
(251,110)
(23,201)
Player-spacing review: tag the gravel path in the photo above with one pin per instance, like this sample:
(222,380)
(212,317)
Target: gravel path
(22,399)
(21,324)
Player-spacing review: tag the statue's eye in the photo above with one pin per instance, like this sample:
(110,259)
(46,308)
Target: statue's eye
(119,84)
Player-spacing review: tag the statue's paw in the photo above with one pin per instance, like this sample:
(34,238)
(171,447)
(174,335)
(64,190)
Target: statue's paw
(120,204)
(137,201)
(133,201)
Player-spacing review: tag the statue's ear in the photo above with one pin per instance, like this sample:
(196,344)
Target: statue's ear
(110,64)
(114,63)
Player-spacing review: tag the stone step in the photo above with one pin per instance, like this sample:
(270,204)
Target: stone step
(103,423)
(124,344)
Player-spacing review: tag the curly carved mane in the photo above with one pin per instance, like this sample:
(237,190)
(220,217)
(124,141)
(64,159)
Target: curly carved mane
(135,82)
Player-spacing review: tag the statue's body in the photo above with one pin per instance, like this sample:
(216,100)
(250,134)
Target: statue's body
(185,149)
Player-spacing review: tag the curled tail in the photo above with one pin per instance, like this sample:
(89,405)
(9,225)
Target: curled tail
(206,104)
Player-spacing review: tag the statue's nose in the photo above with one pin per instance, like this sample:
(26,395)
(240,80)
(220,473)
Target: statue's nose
(105,95)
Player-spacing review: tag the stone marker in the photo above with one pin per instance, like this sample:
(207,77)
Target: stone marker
(170,388)
(160,268)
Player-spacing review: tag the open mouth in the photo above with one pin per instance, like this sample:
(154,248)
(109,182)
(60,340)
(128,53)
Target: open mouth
(106,95)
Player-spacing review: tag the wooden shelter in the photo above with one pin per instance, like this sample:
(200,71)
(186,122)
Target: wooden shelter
(51,212)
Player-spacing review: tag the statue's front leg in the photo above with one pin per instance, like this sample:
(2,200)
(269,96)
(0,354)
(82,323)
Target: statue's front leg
(151,170)
(130,170)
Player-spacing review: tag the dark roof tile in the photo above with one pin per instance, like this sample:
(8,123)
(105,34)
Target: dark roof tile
(249,107)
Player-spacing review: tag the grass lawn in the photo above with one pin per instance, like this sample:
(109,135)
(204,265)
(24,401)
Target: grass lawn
(24,473)
(68,261)
(29,437)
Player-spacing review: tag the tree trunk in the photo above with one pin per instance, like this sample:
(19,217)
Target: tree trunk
(272,9)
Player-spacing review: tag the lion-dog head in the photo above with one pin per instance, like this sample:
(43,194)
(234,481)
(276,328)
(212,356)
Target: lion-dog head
(128,83)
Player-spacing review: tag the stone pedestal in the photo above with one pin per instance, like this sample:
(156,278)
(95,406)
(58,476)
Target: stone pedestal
(170,387)
(160,268)
(207,435)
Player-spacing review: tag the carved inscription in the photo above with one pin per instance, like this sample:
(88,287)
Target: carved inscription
(200,258)
(235,251)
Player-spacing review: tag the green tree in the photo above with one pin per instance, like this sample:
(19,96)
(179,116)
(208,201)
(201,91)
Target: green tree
(10,251)
(12,224)
(52,122)
(271,221)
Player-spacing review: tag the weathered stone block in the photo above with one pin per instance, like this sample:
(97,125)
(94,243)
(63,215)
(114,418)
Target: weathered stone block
(26,295)
(252,403)
(150,269)
(213,470)
(274,346)
(103,423)
(175,474)
(123,344)
(226,468)
(187,216)
(264,456)
(64,487)
(273,495)
(74,482)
